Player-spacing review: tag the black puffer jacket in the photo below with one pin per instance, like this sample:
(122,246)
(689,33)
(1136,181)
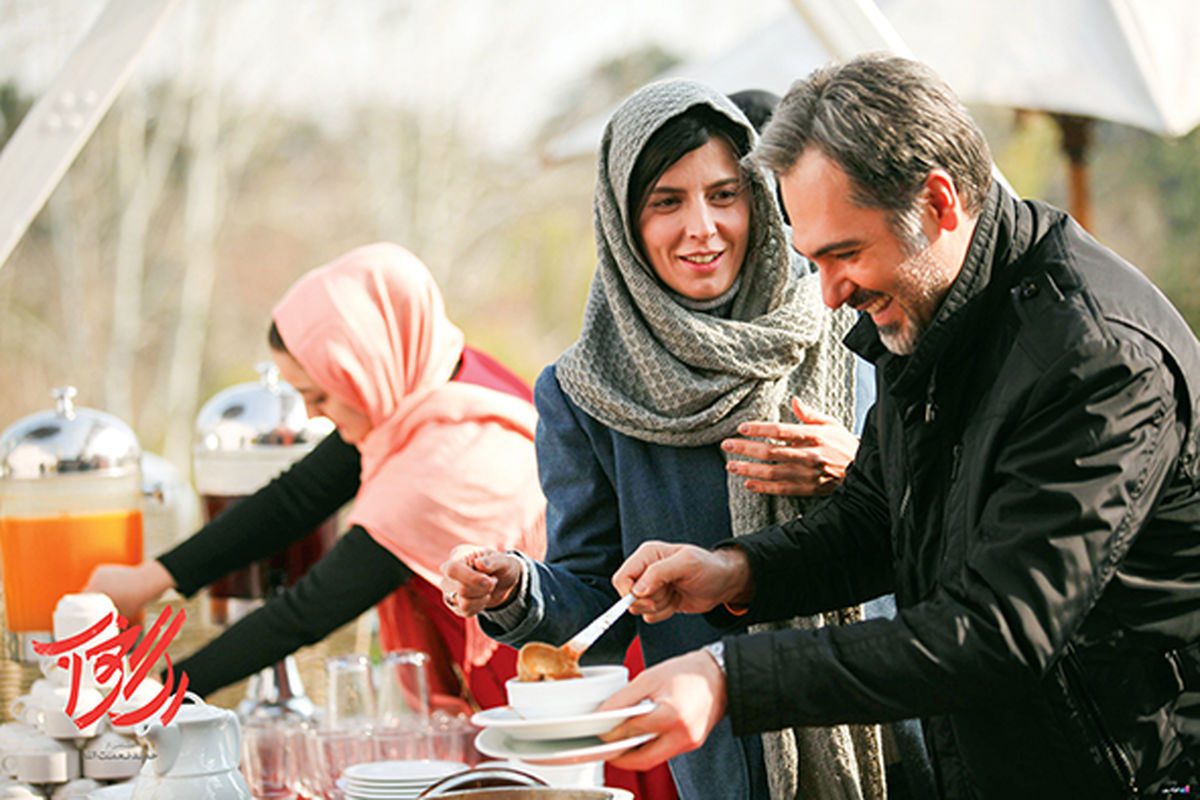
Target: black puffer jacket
(1027,485)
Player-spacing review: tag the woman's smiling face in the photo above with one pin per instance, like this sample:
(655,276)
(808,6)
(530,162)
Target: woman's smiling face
(695,225)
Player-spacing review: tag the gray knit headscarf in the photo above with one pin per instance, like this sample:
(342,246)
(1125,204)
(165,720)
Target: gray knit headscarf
(660,371)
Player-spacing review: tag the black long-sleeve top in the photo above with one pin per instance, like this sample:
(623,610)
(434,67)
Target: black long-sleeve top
(352,577)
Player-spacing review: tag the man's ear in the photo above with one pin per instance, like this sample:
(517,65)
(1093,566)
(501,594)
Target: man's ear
(944,201)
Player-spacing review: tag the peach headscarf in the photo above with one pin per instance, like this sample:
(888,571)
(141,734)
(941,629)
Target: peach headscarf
(445,463)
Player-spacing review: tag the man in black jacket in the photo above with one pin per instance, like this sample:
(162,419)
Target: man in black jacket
(1027,483)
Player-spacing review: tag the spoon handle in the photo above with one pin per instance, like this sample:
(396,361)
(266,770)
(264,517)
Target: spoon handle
(588,636)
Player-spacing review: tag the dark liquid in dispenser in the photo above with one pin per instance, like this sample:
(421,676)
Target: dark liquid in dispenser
(284,568)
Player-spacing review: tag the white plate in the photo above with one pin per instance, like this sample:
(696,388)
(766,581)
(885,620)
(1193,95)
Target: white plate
(515,726)
(401,772)
(377,794)
(117,791)
(398,784)
(381,792)
(494,743)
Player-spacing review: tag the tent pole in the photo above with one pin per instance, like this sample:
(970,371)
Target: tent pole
(1076,135)
(60,123)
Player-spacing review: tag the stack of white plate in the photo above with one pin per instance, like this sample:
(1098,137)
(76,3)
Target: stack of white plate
(555,741)
(394,780)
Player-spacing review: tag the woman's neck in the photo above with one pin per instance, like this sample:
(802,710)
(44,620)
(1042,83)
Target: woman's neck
(718,305)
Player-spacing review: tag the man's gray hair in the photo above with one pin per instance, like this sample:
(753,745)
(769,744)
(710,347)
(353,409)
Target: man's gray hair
(887,122)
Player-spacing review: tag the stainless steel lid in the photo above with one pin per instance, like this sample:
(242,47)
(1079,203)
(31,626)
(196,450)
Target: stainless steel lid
(262,413)
(69,439)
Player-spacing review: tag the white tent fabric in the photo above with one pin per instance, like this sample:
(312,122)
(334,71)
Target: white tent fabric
(770,58)
(1131,61)
(781,52)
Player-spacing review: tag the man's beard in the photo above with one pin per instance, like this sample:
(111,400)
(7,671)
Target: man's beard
(920,278)
(920,286)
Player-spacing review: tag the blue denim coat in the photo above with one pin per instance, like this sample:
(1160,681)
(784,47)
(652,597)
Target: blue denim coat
(607,493)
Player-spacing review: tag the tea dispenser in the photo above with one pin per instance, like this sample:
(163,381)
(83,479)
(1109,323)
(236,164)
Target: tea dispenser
(70,499)
(171,507)
(246,435)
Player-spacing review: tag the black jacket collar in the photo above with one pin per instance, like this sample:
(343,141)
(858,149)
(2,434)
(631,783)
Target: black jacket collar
(1002,235)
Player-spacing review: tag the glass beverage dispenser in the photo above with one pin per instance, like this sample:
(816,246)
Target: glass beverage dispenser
(70,499)
(247,435)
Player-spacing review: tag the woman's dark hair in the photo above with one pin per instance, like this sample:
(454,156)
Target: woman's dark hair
(757,104)
(677,137)
(274,340)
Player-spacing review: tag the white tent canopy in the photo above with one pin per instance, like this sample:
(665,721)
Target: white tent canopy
(771,58)
(1135,62)
(785,48)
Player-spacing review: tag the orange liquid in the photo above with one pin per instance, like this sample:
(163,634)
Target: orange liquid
(47,557)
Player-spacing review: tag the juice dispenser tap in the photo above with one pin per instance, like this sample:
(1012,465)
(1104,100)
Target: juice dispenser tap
(70,499)
(246,435)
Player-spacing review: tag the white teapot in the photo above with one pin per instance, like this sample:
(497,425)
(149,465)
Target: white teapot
(194,758)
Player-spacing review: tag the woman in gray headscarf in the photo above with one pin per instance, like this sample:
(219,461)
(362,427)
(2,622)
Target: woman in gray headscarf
(700,319)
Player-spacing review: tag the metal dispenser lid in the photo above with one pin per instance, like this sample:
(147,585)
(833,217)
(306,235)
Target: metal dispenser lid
(69,439)
(249,416)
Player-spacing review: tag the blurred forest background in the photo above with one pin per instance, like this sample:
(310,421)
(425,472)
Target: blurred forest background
(148,279)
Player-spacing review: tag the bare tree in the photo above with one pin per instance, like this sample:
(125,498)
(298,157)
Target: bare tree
(65,220)
(203,196)
(142,172)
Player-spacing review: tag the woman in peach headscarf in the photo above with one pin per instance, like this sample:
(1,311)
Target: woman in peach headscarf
(434,443)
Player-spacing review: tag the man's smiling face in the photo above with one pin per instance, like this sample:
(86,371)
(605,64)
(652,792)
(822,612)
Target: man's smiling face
(864,264)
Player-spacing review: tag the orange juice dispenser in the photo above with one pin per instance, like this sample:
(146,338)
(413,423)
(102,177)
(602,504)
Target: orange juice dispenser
(70,499)
(246,435)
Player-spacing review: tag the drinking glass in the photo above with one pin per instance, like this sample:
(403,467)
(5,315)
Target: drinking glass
(264,757)
(301,767)
(333,751)
(408,742)
(350,694)
(404,689)
(452,738)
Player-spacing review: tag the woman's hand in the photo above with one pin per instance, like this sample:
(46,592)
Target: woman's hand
(130,588)
(668,578)
(805,459)
(477,578)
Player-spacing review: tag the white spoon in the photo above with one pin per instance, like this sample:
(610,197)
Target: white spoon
(588,636)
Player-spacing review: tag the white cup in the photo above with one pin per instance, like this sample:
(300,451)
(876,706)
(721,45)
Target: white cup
(24,710)
(75,613)
(27,707)
(61,676)
(112,757)
(13,735)
(20,791)
(77,789)
(145,693)
(117,791)
(55,674)
(52,716)
(41,759)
